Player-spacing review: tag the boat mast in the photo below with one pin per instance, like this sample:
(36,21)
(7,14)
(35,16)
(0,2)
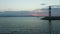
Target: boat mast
(49,19)
(49,11)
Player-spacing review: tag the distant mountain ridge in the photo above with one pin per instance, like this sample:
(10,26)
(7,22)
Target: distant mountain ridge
(36,12)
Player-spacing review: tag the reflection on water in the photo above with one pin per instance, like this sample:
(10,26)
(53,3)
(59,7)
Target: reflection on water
(27,25)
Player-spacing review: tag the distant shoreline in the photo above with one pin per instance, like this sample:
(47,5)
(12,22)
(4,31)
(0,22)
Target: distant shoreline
(31,16)
(21,16)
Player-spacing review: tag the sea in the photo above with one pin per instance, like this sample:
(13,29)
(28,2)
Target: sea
(28,25)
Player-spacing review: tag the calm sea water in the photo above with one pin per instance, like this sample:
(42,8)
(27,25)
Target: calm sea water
(28,25)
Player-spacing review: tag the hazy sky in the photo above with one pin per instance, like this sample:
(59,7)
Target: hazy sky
(25,4)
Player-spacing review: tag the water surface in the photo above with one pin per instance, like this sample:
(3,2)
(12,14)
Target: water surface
(29,25)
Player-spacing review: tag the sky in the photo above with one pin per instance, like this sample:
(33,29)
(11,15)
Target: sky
(13,5)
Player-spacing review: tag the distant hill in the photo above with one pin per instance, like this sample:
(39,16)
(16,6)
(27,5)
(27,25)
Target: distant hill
(15,13)
(37,12)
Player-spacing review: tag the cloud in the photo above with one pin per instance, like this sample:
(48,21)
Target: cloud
(39,15)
